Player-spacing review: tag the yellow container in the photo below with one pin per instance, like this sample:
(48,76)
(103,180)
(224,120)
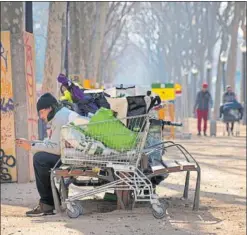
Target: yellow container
(87,83)
(161,114)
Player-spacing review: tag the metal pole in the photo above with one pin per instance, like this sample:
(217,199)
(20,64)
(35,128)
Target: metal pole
(209,87)
(192,93)
(209,79)
(189,97)
(223,76)
(198,85)
(186,103)
(29,17)
(244,85)
(195,87)
(66,59)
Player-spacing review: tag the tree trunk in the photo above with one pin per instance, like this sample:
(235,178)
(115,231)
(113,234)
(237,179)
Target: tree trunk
(232,58)
(100,31)
(201,74)
(53,48)
(218,87)
(74,52)
(63,44)
(87,34)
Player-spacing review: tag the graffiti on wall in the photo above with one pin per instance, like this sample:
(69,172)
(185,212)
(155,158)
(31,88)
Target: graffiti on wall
(4,55)
(7,151)
(31,91)
(6,162)
(7,105)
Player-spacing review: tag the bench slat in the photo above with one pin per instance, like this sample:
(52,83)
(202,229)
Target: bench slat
(187,165)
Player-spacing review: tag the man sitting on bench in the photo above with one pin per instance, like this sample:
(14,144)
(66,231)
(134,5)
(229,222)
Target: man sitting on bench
(47,152)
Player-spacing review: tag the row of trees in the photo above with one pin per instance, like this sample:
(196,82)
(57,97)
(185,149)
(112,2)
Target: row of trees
(169,36)
(97,34)
(176,35)
(182,34)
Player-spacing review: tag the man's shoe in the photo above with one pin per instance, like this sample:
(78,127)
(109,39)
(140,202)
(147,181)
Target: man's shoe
(205,134)
(199,134)
(41,210)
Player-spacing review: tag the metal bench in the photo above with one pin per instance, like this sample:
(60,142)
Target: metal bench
(173,166)
(165,167)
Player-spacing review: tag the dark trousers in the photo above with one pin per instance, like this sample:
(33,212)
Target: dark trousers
(227,126)
(43,162)
(202,114)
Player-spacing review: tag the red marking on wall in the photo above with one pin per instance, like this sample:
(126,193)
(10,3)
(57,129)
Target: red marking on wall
(30,85)
(31,92)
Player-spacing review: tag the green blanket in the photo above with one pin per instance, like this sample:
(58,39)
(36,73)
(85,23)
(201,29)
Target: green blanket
(107,129)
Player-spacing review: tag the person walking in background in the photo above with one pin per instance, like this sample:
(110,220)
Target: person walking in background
(229,99)
(202,105)
(228,95)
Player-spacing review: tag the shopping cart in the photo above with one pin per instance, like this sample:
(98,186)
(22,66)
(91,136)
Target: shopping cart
(121,167)
(231,117)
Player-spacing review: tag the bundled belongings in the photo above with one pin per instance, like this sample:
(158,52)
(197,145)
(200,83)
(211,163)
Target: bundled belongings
(231,111)
(74,92)
(76,139)
(104,126)
(103,134)
(132,106)
(85,103)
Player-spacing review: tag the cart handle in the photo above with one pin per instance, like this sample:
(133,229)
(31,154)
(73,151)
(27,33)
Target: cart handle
(169,123)
(165,123)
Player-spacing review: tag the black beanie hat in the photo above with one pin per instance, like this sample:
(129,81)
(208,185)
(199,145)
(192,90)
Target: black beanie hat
(46,101)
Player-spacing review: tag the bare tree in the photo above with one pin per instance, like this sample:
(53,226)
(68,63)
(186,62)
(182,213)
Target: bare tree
(116,33)
(233,33)
(222,18)
(54,47)
(99,39)
(100,26)
(75,62)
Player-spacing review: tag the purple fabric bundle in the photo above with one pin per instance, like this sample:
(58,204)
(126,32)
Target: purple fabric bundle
(63,79)
(75,91)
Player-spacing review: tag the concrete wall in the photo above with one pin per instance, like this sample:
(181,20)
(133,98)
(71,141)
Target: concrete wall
(23,81)
(8,154)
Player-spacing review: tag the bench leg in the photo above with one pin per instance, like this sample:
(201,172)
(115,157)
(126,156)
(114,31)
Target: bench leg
(120,200)
(186,186)
(197,191)
(63,191)
(55,194)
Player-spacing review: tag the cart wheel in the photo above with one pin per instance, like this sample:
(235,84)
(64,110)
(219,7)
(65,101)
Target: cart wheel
(75,213)
(78,204)
(159,211)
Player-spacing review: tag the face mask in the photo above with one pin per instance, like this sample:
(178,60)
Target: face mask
(55,109)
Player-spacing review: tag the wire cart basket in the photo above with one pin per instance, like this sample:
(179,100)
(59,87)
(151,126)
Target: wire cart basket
(118,163)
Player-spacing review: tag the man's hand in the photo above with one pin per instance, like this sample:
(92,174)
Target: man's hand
(23,143)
